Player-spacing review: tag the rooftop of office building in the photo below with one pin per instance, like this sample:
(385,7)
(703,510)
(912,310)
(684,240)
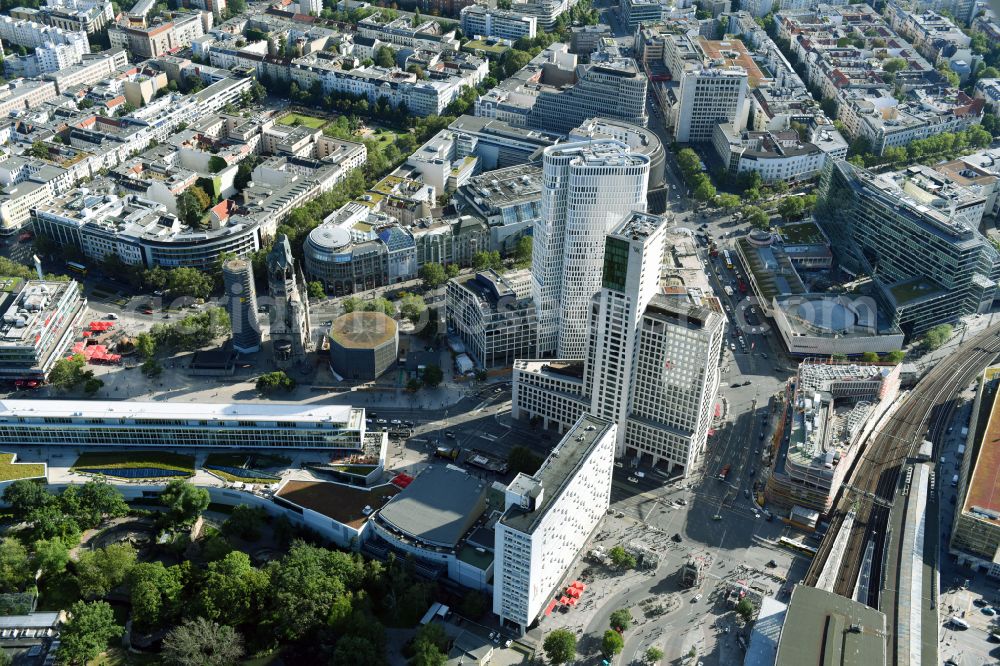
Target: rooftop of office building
(438,507)
(825,628)
(28,309)
(505,187)
(558,470)
(492,289)
(638,226)
(348,505)
(822,430)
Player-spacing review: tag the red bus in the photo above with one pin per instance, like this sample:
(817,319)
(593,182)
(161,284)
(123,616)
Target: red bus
(724,473)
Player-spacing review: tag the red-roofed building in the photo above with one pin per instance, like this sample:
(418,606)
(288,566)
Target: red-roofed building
(976,537)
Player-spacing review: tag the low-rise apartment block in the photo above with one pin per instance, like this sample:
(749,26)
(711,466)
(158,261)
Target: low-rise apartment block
(481,21)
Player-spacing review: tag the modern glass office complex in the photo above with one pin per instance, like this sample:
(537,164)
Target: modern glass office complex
(173,425)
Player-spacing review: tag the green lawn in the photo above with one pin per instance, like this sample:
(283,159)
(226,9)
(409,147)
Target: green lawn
(136,459)
(802,233)
(293,118)
(249,478)
(481,45)
(10,470)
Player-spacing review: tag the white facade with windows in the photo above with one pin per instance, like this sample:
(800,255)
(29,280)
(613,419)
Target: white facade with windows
(675,383)
(587,188)
(709,97)
(134,424)
(485,22)
(549,390)
(548,518)
(631,278)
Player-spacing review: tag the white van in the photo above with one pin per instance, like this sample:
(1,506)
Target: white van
(956,621)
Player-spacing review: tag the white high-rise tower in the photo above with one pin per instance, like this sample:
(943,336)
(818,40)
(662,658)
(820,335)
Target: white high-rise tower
(630,279)
(587,188)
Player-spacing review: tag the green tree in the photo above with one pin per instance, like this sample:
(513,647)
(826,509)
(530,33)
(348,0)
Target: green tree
(187,281)
(93,502)
(757,218)
(25,497)
(621,558)
(145,346)
(870,357)
(316,290)
(51,556)
(39,149)
(745,609)
(102,570)
(306,584)
(451,270)
(15,565)
(201,642)
(433,375)
(216,164)
(184,502)
(357,651)
(937,336)
(893,65)
(188,207)
(728,202)
(430,646)
(154,593)
(560,647)
(895,356)
(414,385)
(654,655)
(790,208)
(68,373)
(522,253)
(612,643)
(92,385)
(51,521)
(412,306)
(352,303)
(433,275)
(621,620)
(87,633)
(522,460)
(232,591)
(273,382)
(245,522)
(703,188)
(385,57)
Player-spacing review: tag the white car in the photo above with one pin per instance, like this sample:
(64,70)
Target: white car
(111,315)
(696,599)
(396,422)
(732,347)
(632,479)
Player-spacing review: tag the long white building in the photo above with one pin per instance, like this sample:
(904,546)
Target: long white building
(587,188)
(106,423)
(548,518)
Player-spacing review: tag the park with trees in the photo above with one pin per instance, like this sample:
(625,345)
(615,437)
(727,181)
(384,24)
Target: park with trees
(194,592)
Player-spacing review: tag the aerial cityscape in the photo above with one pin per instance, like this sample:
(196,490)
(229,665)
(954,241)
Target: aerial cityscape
(499,332)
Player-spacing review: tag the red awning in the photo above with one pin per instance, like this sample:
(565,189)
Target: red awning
(548,609)
(402,480)
(564,600)
(572,602)
(572,592)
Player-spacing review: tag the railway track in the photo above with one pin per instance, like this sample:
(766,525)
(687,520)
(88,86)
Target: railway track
(876,475)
